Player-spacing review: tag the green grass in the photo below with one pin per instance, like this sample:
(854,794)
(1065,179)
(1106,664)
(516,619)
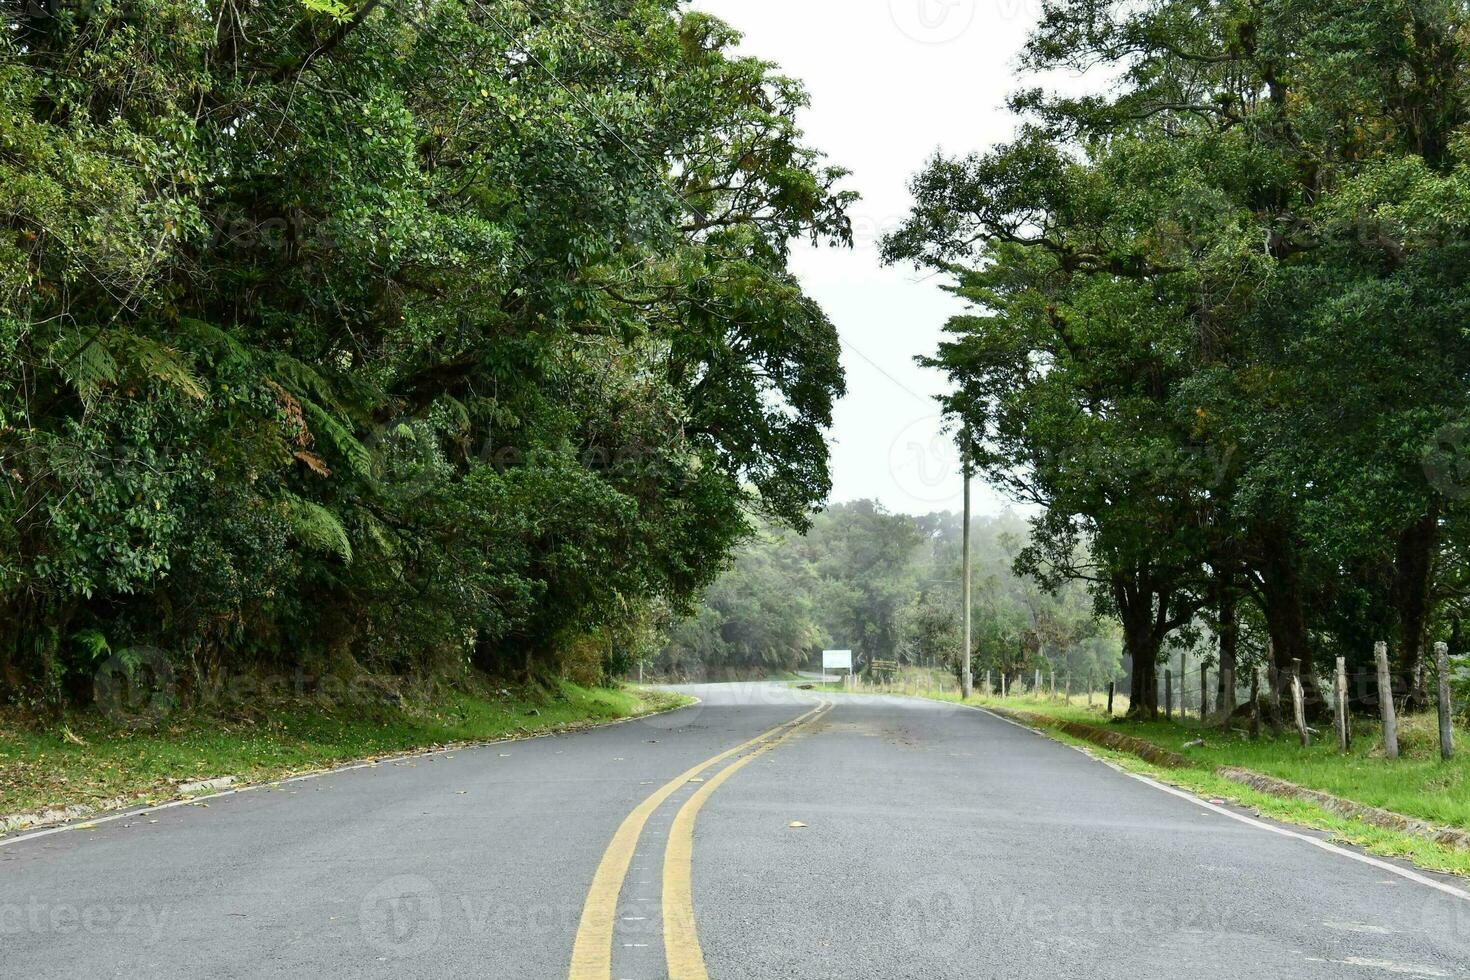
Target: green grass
(1203,782)
(84,760)
(1418,784)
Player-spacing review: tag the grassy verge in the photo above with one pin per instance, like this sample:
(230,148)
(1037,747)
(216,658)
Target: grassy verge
(1418,784)
(1203,782)
(85,761)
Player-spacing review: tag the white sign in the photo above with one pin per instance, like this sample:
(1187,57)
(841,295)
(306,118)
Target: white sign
(836,659)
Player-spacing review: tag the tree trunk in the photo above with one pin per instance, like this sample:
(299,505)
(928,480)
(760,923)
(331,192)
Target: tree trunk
(1143,693)
(1286,621)
(1413,564)
(10,633)
(1229,642)
(1141,642)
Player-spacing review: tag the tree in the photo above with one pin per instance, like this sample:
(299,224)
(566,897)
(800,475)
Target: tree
(418,336)
(1205,319)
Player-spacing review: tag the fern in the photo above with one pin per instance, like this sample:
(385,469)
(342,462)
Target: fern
(160,362)
(207,335)
(317,528)
(305,382)
(347,445)
(89,367)
(94,361)
(92,644)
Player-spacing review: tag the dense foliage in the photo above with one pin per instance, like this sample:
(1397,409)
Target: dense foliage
(887,586)
(1219,322)
(425,336)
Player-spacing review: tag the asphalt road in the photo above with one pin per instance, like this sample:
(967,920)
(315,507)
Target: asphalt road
(938,842)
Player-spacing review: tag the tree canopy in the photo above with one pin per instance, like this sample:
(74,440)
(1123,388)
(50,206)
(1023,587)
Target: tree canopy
(1217,323)
(425,335)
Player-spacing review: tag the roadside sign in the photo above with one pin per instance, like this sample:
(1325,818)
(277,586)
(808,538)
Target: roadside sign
(836,660)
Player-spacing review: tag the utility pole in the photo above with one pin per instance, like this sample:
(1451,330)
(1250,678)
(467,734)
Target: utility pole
(967,682)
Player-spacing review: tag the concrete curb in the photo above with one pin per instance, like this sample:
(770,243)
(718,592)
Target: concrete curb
(1376,816)
(1117,741)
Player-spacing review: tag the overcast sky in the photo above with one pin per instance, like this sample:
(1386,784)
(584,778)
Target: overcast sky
(891,81)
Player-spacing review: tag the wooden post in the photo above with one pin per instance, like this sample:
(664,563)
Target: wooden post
(1067,686)
(1344,737)
(988,689)
(1385,702)
(1183,684)
(1168,694)
(1446,726)
(1299,704)
(1112,686)
(1089,690)
(1036,688)
(1255,702)
(1003,684)
(1053,683)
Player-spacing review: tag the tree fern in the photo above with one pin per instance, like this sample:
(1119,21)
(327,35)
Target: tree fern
(94,361)
(88,366)
(317,528)
(341,439)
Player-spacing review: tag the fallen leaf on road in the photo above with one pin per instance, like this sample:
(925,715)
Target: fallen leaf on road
(796,823)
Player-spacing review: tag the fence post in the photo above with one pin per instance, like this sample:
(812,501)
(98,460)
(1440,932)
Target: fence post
(1344,738)
(1446,726)
(1036,687)
(1112,686)
(1168,694)
(1003,684)
(1298,704)
(1385,702)
(1183,684)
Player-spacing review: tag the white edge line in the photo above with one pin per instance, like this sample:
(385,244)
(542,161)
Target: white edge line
(1248,821)
(87,823)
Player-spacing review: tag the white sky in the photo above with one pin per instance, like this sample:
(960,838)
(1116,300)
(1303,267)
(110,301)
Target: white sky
(891,81)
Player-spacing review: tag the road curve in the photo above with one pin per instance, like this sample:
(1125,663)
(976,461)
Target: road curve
(877,838)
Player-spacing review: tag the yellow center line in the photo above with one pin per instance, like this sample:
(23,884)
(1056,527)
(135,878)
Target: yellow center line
(592,950)
(681,938)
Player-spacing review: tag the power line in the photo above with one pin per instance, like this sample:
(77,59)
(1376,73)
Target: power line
(883,371)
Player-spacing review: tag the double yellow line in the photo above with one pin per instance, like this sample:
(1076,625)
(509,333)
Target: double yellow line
(592,950)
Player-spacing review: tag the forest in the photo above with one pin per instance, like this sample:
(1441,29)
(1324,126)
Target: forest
(411,338)
(888,587)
